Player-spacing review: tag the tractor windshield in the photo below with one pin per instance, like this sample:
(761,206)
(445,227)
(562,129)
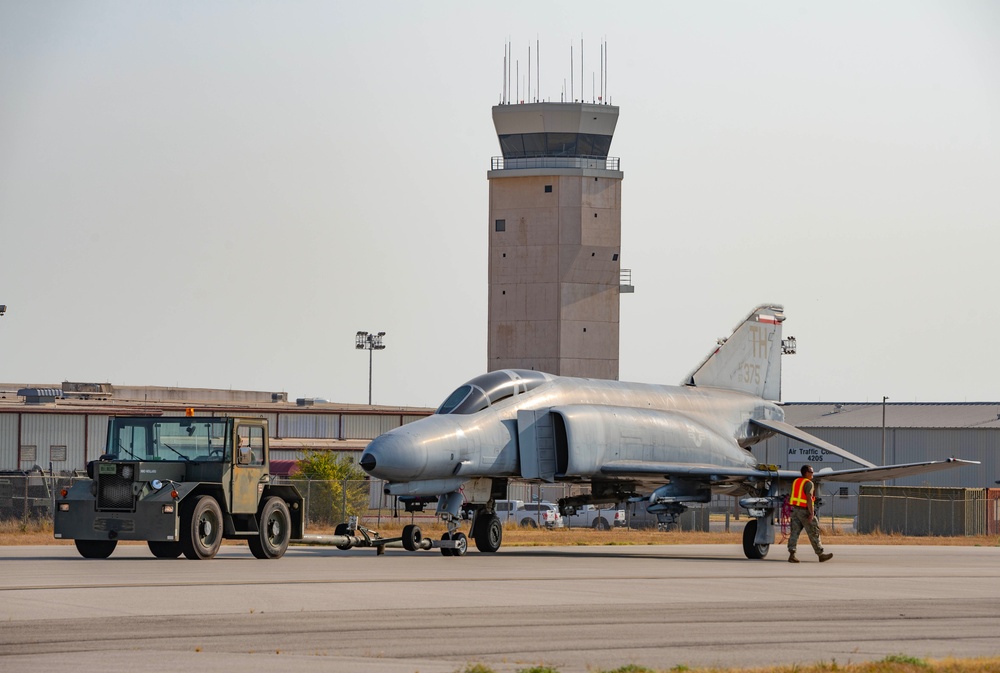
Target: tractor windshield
(177,439)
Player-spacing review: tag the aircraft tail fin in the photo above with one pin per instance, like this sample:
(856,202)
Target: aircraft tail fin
(748,361)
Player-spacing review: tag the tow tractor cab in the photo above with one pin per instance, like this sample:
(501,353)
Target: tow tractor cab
(182,484)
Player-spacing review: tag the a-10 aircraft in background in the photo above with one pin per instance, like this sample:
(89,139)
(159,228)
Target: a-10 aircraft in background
(665,446)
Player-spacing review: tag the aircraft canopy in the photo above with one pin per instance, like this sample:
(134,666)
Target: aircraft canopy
(490,388)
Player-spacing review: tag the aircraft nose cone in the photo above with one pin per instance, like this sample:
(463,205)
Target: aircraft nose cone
(367,462)
(394,456)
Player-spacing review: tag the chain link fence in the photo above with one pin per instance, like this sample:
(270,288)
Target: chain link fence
(916,511)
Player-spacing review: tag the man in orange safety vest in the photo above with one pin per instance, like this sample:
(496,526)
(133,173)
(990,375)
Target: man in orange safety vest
(803,502)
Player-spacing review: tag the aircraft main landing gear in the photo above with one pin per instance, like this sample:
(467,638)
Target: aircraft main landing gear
(487,531)
(758,534)
(751,548)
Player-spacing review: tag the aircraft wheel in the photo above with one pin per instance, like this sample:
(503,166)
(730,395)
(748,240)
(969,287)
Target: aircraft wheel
(528,523)
(601,524)
(489,533)
(201,529)
(753,551)
(462,543)
(447,551)
(95,548)
(412,537)
(274,530)
(163,549)
(342,529)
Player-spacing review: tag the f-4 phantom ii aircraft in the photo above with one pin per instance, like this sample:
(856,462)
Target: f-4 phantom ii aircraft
(666,446)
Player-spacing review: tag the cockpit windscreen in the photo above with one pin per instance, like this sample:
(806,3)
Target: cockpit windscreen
(488,389)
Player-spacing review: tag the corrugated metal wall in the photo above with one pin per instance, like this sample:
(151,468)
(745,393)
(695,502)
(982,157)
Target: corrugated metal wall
(309,426)
(8,441)
(97,435)
(44,431)
(906,445)
(863,442)
(284,454)
(902,445)
(272,419)
(368,426)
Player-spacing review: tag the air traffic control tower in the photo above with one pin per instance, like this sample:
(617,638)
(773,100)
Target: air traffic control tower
(555,240)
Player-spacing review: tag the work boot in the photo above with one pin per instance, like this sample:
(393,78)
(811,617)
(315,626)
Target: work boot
(791,558)
(825,557)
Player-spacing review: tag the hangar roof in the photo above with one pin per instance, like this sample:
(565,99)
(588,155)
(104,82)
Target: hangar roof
(897,414)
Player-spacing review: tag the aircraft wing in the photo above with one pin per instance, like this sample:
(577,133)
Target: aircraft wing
(804,437)
(860,474)
(708,473)
(719,475)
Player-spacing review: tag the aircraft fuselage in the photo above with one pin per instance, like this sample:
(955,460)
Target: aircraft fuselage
(597,422)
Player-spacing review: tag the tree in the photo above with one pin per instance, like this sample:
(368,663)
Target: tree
(337,487)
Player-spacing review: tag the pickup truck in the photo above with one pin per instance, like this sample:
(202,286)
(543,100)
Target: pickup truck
(530,514)
(589,516)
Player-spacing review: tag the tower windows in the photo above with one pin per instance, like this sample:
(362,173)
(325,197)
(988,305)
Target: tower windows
(501,225)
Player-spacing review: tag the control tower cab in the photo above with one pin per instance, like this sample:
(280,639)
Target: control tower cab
(555,240)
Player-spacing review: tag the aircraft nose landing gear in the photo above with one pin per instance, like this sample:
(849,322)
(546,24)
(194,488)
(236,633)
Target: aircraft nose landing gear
(452,543)
(449,509)
(458,539)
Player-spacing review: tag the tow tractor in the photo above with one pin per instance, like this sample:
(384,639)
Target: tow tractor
(183,485)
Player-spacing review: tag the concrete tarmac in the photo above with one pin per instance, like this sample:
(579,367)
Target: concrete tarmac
(573,608)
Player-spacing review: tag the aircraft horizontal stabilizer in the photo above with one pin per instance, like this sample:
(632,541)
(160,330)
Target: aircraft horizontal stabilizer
(802,436)
(876,473)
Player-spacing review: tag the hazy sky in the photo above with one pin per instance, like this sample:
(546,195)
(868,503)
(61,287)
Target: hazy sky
(220,194)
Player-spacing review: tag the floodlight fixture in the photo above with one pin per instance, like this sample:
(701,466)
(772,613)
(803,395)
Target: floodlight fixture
(369,341)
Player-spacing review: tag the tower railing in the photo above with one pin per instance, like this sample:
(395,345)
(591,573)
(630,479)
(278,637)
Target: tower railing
(602,163)
(625,281)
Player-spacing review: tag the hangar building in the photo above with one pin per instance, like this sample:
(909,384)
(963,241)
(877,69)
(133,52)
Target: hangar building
(913,432)
(58,428)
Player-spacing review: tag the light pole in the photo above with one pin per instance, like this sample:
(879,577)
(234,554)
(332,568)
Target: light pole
(884,398)
(369,342)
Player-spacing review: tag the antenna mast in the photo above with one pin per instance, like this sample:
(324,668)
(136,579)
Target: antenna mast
(503,78)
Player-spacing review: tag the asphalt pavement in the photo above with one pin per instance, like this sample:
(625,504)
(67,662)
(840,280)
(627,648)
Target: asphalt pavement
(572,608)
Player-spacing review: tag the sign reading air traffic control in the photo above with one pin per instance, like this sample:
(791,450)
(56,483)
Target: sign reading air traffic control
(810,454)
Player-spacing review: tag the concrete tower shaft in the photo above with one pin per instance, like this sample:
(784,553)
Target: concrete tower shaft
(555,240)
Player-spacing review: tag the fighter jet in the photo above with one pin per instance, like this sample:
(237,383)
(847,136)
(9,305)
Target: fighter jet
(664,446)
